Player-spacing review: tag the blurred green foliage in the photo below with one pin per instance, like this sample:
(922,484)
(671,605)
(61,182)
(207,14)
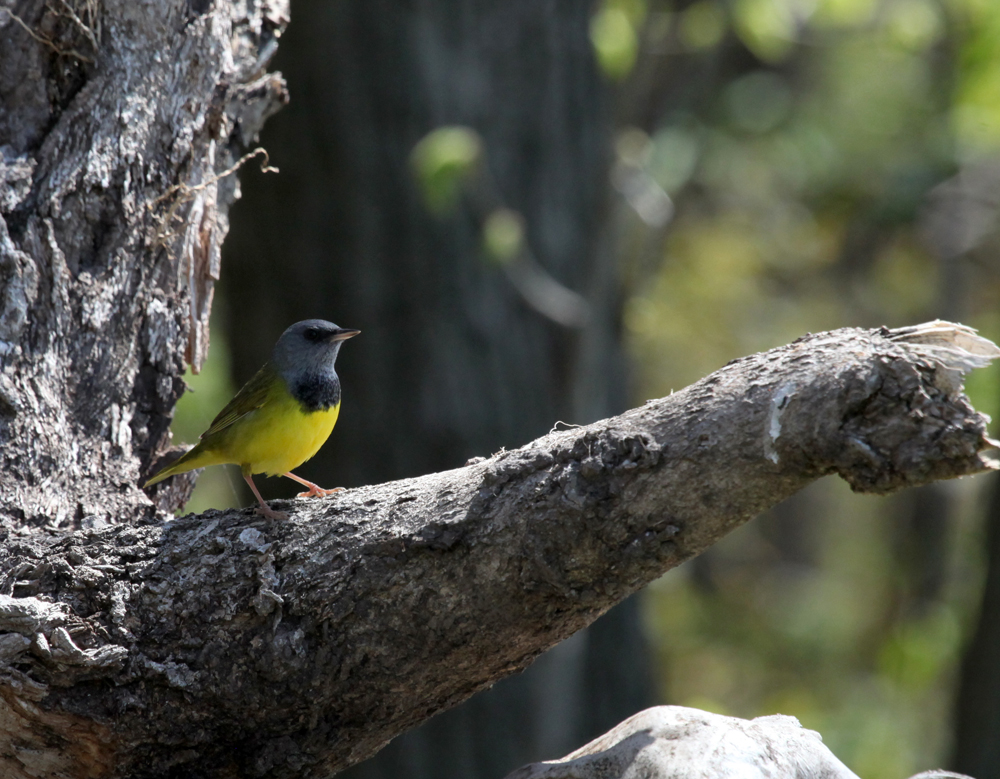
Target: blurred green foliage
(831,642)
(442,161)
(804,170)
(503,235)
(614,33)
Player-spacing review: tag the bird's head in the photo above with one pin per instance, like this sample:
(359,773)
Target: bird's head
(309,348)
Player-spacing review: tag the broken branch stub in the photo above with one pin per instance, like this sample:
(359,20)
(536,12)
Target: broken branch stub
(902,419)
(230,643)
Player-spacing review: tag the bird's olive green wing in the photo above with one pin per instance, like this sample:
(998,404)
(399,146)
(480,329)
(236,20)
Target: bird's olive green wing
(251,397)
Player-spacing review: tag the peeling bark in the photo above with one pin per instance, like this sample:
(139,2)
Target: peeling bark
(229,645)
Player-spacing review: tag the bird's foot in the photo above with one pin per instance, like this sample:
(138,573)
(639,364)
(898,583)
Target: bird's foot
(264,510)
(318,492)
(314,491)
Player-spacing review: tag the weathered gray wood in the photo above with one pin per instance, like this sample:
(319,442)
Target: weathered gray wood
(227,645)
(117,118)
(675,742)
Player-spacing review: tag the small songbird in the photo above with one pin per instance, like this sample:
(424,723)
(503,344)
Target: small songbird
(281,417)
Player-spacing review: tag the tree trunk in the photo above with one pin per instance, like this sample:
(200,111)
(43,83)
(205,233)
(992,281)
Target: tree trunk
(229,645)
(117,120)
(584,685)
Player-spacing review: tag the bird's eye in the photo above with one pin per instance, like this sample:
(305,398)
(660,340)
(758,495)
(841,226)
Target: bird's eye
(313,334)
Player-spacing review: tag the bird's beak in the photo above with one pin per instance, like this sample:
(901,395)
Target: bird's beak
(343,334)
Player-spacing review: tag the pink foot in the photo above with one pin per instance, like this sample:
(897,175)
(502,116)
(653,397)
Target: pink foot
(270,513)
(262,509)
(314,491)
(318,492)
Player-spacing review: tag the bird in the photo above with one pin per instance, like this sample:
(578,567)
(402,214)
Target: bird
(281,417)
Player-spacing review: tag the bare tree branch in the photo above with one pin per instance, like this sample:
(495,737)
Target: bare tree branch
(228,645)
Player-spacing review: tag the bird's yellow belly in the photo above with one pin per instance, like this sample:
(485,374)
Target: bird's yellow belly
(278,437)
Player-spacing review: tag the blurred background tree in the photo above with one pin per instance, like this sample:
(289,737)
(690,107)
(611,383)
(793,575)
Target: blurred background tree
(508,198)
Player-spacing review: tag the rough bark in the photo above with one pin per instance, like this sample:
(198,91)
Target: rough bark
(117,119)
(227,645)
(576,690)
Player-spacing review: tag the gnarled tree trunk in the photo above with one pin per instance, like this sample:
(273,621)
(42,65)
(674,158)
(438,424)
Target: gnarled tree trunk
(118,118)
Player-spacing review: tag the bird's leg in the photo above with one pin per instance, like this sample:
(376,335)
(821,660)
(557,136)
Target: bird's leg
(315,491)
(263,508)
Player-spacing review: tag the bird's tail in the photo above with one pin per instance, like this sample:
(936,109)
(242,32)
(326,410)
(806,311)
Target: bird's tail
(191,459)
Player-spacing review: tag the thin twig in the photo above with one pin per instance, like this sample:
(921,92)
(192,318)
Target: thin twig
(48,41)
(71,12)
(187,192)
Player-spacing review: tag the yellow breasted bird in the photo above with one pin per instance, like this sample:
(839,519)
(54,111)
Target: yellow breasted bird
(281,417)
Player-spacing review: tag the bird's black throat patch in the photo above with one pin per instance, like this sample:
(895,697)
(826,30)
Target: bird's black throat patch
(317,393)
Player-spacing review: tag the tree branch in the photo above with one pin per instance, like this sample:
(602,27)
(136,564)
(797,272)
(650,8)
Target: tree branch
(229,645)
